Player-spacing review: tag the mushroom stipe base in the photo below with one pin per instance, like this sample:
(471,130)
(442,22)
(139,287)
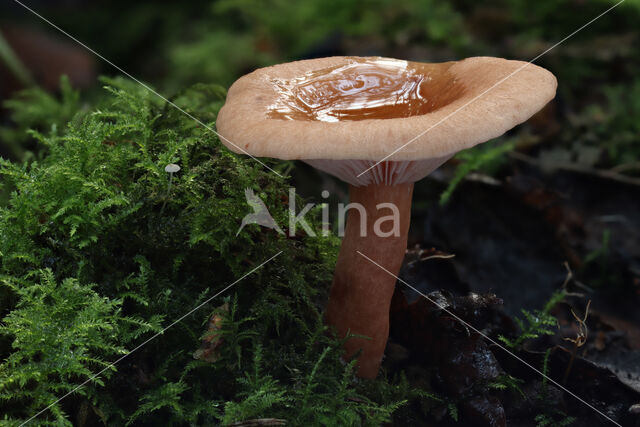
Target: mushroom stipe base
(361,292)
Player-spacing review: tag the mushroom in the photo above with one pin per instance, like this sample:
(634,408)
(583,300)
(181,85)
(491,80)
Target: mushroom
(379,124)
(171,168)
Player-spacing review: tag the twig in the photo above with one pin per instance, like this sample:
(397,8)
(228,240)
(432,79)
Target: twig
(578,341)
(572,167)
(570,279)
(437,256)
(483,179)
(259,422)
(624,167)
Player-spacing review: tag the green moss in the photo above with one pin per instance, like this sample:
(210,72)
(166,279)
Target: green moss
(36,111)
(536,323)
(97,254)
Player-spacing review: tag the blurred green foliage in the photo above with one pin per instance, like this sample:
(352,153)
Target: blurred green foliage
(34,110)
(236,36)
(613,126)
(205,41)
(218,40)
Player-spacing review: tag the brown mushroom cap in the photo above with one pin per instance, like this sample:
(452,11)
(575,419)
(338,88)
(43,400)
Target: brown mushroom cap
(515,90)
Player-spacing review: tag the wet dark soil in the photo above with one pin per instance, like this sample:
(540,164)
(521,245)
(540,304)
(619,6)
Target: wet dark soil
(516,241)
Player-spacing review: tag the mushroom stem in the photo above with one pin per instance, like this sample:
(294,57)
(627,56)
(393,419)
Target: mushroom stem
(361,292)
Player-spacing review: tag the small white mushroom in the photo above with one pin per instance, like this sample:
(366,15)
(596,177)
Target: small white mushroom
(171,168)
